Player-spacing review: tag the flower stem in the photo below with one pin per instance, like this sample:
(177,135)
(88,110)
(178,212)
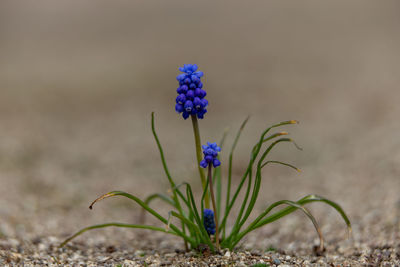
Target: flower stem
(196,132)
(214,206)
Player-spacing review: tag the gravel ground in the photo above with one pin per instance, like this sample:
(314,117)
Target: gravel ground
(78,84)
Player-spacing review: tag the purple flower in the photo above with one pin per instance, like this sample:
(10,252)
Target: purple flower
(190,100)
(209,222)
(210,152)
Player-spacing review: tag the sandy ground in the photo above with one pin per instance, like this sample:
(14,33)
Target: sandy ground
(78,83)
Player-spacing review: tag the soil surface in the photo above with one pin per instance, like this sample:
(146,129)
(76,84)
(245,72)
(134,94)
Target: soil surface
(78,84)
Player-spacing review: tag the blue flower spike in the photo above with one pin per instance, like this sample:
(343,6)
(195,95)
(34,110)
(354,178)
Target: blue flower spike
(190,99)
(209,222)
(210,152)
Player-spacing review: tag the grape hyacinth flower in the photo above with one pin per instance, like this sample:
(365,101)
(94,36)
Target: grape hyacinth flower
(209,222)
(190,99)
(210,152)
(211,160)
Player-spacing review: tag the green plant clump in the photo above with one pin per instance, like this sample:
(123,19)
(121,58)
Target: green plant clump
(199,226)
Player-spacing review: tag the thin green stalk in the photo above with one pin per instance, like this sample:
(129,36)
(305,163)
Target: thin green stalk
(228,192)
(172,184)
(197,140)
(214,206)
(218,177)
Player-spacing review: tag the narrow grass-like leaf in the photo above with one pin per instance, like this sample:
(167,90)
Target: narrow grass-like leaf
(256,188)
(162,197)
(115,224)
(143,205)
(292,204)
(191,226)
(236,140)
(218,176)
(303,201)
(280,162)
(197,218)
(254,153)
(152,197)
(164,163)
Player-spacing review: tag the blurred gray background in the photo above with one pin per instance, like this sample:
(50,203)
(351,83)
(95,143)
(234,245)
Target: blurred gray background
(79,79)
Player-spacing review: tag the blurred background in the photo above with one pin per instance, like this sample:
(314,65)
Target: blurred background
(79,79)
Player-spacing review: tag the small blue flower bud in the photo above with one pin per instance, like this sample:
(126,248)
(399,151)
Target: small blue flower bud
(187,81)
(195,79)
(179,108)
(203,163)
(183,89)
(192,86)
(181,99)
(199,74)
(200,113)
(180,77)
(204,103)
(197,92)
(190,94)
(185,115)
(202,93)
(216,163)
(188,106)
(208,158)
(197,103)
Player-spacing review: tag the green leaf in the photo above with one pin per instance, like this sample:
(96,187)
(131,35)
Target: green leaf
(254,153)
(280,162)
(115,224)
(303,201)
(143,205)
(292,204)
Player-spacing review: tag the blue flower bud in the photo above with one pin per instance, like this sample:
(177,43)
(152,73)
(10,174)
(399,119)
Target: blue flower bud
(195,79)
(202,93)
(181,99)
(209,222)
(197,92)
(179,108)
(185,115)
(180,77)
(188,106)
(182,89)
(204,103)
(208,158)
(197,103)
(200,113)
(203,163)
(190,94)
(216,163)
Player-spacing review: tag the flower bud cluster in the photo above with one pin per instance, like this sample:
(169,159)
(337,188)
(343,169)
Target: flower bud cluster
(210,152)
(209,222)
(190,99)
